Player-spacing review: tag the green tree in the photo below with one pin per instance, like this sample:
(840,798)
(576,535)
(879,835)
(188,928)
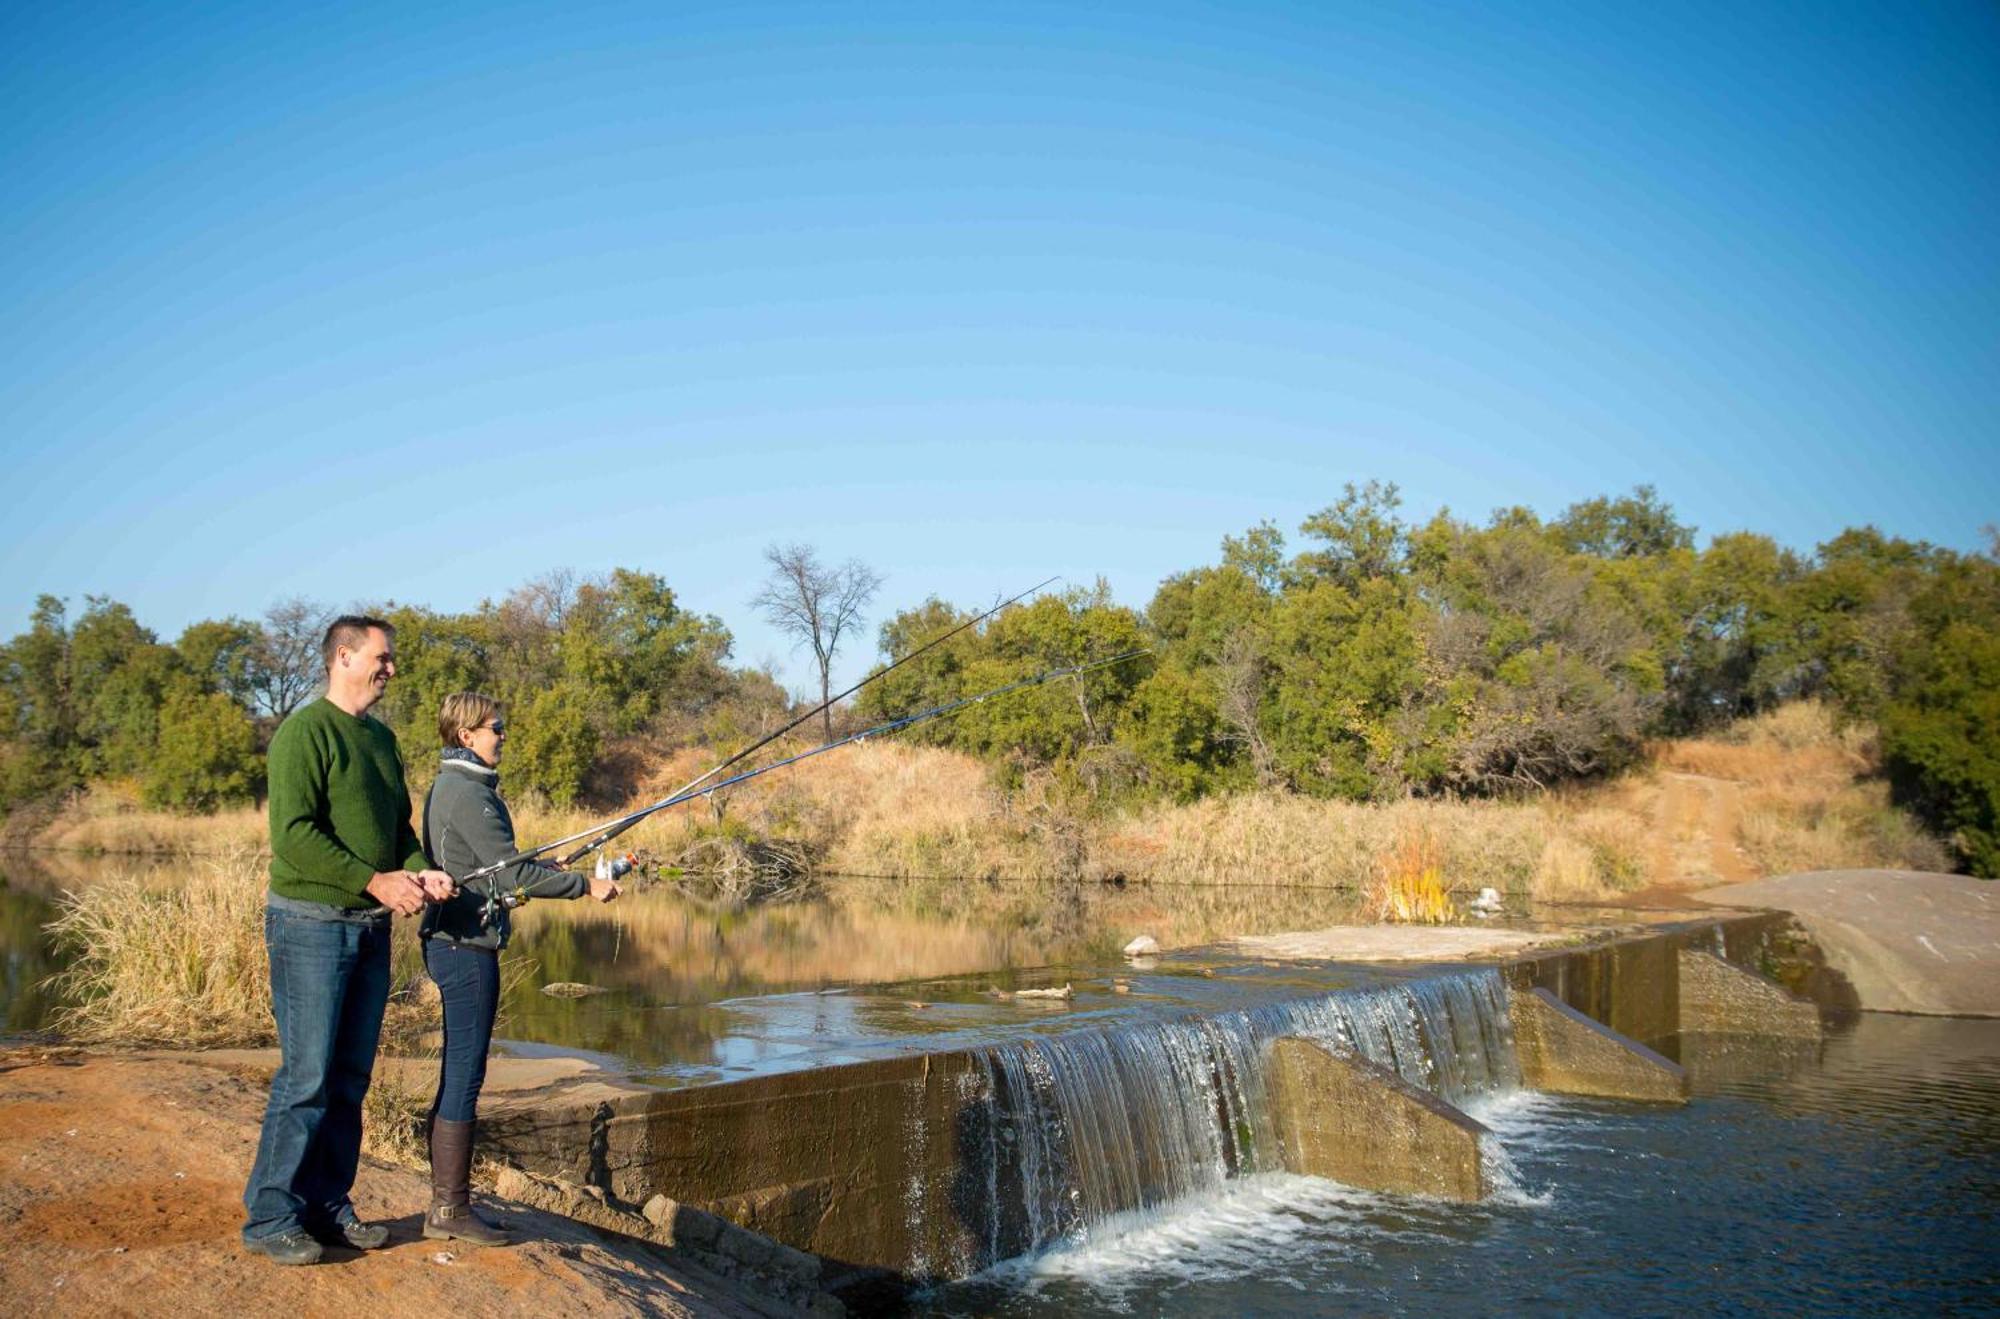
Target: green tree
(934,678)
(552,743)
(120,726)
(1056,721)
(1177,730)
(1638,525)
(1537,667)
(1346,664)
(1941,720)
(223,655)
(1360,537)
(206,754)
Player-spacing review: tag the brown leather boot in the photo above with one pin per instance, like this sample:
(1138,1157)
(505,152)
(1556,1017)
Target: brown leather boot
(451,1217)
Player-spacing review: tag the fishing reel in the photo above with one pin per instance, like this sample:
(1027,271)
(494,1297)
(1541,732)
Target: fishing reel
(616,867)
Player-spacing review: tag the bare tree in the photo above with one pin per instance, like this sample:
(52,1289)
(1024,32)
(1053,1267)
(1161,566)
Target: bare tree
(816,605)
(287,667)
(1240,675)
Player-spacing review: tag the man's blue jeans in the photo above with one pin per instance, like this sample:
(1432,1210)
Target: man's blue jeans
(329,985)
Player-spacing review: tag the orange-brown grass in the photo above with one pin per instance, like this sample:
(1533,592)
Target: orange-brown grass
(1408,887)
(1809,795)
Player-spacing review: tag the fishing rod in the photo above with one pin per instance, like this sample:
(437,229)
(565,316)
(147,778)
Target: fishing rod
(620,825)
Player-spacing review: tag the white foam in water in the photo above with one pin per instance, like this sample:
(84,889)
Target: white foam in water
(1247,1229)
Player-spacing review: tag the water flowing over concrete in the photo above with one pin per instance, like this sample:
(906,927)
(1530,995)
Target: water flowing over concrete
(1073,1129)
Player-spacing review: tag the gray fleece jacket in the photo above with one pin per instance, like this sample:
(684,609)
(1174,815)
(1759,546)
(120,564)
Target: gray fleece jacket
(467,826)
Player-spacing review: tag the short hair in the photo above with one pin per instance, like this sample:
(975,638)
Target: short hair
(349,630)
(461,712)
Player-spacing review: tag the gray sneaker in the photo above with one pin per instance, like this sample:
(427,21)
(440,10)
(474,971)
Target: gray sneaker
(355,1235)
(291,1247)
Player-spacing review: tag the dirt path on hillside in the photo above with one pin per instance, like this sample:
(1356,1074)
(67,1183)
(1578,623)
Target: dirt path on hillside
(1695,839)
(120,1193)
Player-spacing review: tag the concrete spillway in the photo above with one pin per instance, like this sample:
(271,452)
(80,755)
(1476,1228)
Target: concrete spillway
(934,1162)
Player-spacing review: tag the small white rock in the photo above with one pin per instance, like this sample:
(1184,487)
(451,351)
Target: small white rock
(443,1257)
(1143,946)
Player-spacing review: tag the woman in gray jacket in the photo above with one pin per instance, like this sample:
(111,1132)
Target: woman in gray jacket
(467,826)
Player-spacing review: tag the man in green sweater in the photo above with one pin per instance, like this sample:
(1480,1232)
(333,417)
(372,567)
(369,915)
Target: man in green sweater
(343,858)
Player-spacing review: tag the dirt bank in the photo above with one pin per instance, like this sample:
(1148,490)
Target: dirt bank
(120,1185)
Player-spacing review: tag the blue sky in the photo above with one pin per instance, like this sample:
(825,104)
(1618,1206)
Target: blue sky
(416,302)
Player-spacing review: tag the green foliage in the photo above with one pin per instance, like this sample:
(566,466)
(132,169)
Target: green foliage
(1638,525)
(206,755)
(1360,536)
(1049,724)
(1178,732)
(552,743)
(223,655)
(1941,719)
(1344,663)
(1542,665)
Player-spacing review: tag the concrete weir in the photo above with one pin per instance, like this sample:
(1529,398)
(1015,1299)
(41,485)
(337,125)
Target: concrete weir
(1346,1119)
(933,1164)
(1566,1053)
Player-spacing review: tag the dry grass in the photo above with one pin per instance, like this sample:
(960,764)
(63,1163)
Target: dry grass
(1808,794)
(177,958)
(107,819)
(180,964)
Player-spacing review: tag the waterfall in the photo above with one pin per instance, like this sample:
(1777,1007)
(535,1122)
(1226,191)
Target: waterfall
(1075,1127)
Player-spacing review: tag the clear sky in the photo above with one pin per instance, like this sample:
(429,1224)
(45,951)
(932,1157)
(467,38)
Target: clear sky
(420,301)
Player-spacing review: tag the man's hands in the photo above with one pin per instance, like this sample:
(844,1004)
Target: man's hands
(405,892)
(398,890)
(604,889)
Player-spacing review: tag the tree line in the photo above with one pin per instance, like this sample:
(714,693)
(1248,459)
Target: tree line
(1378,657)
(1371,656)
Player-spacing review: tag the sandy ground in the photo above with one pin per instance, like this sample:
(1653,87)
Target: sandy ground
(120,1193)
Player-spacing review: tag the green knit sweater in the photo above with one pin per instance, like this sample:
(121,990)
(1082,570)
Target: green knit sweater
(340,811)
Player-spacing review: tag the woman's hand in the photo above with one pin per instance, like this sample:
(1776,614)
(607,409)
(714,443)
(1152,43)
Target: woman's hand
(604,889)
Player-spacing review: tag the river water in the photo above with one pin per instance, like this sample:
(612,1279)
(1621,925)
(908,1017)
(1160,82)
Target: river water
(1866,1181)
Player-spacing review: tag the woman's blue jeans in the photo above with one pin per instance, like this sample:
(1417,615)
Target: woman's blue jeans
(329,985)
(468,979)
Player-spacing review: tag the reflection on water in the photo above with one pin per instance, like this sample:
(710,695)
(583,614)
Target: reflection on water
(713,992)
(27,958)
(1866,1182)
(673,963)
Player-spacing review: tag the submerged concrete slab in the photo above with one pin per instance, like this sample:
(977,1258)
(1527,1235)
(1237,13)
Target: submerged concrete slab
(1904,940)
(1341,1117)
(1564,1052)
(1718,998)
